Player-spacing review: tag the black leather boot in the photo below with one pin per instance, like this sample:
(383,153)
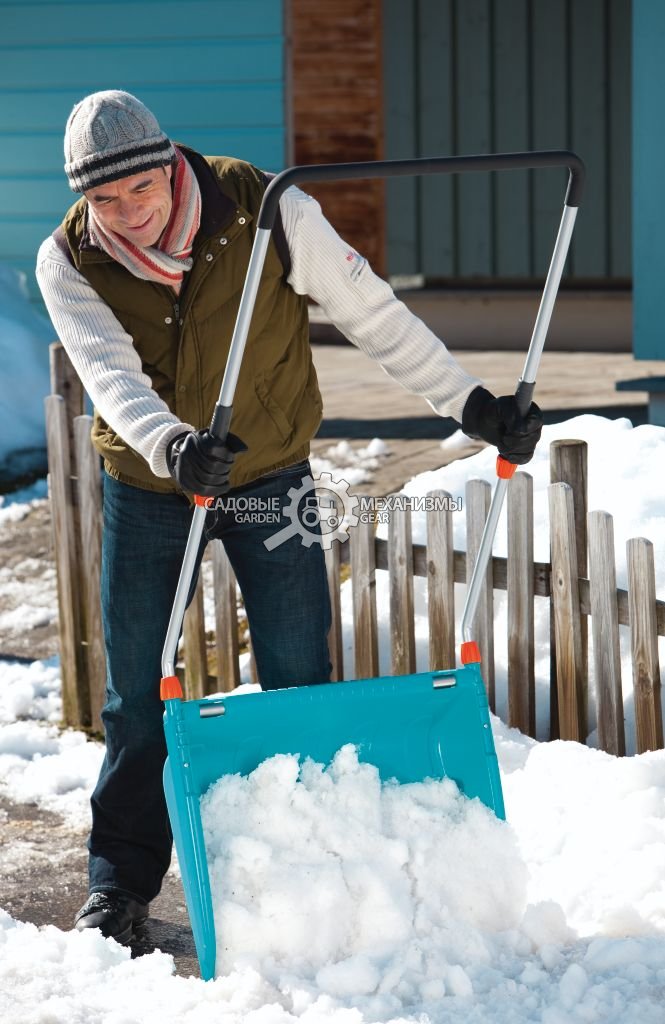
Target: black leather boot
(113,913)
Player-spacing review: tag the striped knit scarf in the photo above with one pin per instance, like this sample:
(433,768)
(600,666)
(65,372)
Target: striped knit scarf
(167,261)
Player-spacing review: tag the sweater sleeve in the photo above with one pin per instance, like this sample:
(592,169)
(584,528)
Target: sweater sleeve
(105,359)
(365,309)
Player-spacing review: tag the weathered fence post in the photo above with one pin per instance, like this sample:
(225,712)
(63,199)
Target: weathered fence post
(566,605)
(89,488)
(478,496)
(196,661)
(440,585)
(226,619)
(66,383)
(363,575)
(521,642)
(644,644)
(568,465)
(62,406)
(605,633)
(75,693)
(335,644)
(400,568)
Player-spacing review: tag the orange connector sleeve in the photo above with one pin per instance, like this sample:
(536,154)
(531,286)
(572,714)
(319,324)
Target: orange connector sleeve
(504,469)
(470,653)
(170,688)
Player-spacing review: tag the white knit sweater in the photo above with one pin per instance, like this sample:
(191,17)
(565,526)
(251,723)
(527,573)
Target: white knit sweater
(324,267)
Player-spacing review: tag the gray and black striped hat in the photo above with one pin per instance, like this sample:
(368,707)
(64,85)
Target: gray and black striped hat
(110,135)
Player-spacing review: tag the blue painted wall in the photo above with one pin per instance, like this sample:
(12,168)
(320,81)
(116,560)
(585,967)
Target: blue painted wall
(211,70)
(482,76)
(648,179)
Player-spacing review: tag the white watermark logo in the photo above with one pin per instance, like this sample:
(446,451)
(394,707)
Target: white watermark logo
(247,510)
(323,510)
(320,512)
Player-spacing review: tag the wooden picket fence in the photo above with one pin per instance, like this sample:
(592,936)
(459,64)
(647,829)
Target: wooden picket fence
(579,584)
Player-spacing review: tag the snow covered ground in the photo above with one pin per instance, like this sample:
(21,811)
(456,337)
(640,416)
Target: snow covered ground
(340,901)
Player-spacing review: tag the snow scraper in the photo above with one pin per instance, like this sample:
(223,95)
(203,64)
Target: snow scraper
(415,727)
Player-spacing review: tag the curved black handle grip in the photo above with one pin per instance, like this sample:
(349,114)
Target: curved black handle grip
(423,165)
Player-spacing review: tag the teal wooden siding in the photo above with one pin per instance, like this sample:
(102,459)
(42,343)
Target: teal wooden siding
(211,70)
(480,76)
(648,163)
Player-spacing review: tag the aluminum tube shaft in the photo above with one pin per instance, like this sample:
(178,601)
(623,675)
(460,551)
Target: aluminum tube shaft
(484,555)
(524,392)
(549,295)
(245,310)
(180,602)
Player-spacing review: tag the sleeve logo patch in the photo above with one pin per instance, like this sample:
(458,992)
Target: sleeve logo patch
(356,262)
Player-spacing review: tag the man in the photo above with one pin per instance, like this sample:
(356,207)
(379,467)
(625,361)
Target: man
(142,282)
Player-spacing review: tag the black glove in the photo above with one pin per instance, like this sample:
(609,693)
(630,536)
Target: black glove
(201,463)
(499,422)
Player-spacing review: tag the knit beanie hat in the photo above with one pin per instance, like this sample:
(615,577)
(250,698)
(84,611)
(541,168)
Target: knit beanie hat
(110,135)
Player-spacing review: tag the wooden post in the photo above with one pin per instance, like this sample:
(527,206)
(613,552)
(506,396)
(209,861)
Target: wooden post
(568,465)
(566,607)
(253,671)
(478,496)
(196,661)
(605,633)
(75,695)
(89,486)
(335,638)
(521,630)
(363,576)
(644,644)
(66,383)
(226,619)
(440,585)
(400,568)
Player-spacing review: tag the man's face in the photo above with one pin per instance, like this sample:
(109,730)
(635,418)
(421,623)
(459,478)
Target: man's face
(137,207)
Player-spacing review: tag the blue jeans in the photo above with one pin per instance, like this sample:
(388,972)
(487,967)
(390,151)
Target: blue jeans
(288,609)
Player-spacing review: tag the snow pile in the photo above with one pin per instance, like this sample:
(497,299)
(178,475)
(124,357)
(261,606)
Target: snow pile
(39,763)
(54,769)
(408,900)
(365,892)
(346,463)
(30,691)
(24,340)
(597,847)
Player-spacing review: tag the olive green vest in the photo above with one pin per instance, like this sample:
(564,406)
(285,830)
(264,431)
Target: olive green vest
(184,341)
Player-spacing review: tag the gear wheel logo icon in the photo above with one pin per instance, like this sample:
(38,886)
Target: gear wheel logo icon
(316,503)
